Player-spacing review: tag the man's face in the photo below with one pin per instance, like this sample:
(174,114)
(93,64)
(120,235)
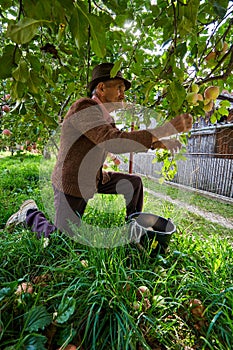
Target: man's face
(112,91)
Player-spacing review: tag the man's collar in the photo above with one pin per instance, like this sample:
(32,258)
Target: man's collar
(106,114)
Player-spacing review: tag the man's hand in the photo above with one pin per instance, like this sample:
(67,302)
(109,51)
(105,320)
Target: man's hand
(181,123)
(171,145)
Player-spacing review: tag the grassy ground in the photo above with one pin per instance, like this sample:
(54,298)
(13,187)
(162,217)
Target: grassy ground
(205,203)
(90,296)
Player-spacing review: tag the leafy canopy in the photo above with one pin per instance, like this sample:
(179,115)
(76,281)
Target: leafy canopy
(49,47)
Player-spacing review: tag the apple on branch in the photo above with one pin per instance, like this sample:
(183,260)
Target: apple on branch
(211,93)
(209,106)
(211,56)
(192,98)
(195,88)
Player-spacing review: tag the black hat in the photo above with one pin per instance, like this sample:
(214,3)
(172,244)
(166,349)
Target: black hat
(102,73)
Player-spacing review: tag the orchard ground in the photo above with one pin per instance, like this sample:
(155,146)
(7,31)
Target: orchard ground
(89,297)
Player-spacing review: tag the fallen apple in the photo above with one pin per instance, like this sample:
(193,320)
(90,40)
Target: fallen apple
(136,305)
(68,347)
(146,304)
(6,132)
(143,291)
(6,97)
(196,308)
(25,287)
(158,300)
(6,108)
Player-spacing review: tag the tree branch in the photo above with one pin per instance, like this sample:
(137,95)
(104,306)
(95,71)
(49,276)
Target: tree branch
(203,55)
(88,46)
(20,9)
(223,97)
(1,14)
(225,75)
(175,23)
(227,30)
(100,8)
(60,119)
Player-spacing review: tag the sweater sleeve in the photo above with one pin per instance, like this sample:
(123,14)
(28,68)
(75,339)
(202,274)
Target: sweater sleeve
(91,123)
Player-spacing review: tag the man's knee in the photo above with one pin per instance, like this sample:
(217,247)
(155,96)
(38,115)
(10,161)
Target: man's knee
(136,181)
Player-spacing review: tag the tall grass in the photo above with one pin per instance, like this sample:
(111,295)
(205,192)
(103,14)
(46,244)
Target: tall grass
(89,296)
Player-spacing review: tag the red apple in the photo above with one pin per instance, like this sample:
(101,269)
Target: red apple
(69,347)
(7,97)
(6,108)
(211,92)
(25,287)
(6,132)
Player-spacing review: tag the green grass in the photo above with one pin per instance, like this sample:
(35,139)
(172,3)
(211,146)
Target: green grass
(89,297)
(209,204)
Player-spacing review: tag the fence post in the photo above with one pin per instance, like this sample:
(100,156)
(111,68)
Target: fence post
(131,154)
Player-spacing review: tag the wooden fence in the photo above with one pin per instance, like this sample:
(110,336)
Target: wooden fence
(208,165)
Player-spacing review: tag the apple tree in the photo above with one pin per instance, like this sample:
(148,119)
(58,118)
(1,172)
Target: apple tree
(171,50)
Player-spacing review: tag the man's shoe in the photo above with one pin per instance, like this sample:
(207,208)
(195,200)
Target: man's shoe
(20,216)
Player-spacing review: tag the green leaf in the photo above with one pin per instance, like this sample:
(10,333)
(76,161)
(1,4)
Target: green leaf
(79,28)
(213,118)
(219,8)
(116,68)
(34,342)
(21,73)
(98,42)
(68,4)
(66,333)
(187,16)
(181,49)
(37,318)
(217,264)
(176,95)
(225,103)
(66,309)
(4,292)
(23,31)
(18,90)
(47,74)
(223,111)
(149,20)
(34,61)
(148,88)
(5,4)
(34,82)
(8,60)
(51,10)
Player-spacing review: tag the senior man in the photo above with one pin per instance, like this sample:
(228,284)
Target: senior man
(88,134)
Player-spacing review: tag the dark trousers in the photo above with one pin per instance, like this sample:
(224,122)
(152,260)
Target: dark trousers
(69,209)
(130,186)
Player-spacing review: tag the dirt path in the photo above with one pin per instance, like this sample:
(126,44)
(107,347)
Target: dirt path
(217,219)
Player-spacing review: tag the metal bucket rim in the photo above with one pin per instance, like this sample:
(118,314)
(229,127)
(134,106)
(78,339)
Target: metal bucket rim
(155,232)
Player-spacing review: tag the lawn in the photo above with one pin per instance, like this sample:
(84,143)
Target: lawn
(91,297)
